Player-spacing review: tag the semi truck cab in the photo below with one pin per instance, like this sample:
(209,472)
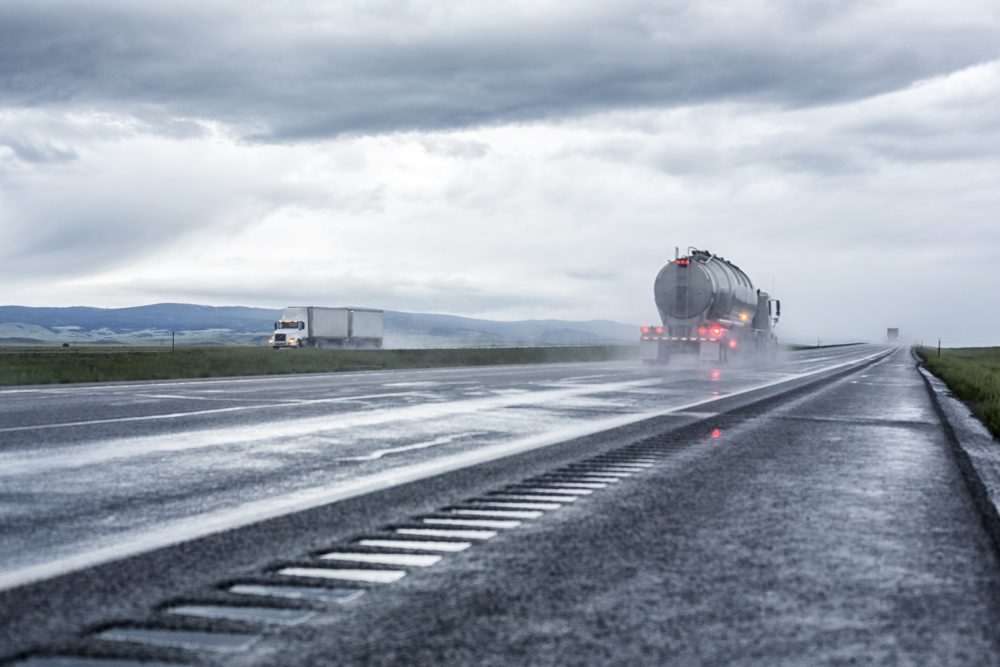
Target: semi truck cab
(288,333)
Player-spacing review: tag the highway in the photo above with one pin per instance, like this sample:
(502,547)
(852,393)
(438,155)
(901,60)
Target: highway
(807,506)
(93,469)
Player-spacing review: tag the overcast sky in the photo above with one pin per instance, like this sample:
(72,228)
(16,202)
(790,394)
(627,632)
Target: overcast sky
(508,160)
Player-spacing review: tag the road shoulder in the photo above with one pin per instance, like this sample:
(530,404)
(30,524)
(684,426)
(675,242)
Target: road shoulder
(975,448)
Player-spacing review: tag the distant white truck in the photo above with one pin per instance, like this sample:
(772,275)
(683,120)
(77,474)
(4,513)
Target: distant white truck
(316,326)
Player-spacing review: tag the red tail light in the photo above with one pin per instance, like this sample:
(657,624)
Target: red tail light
(645,330)
(659,331)
(716,331)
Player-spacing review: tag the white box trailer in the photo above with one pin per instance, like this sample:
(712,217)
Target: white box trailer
(317,326)
(366,324)
(327,323)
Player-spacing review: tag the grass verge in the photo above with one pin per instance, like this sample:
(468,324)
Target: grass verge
(973,374)
(47,365)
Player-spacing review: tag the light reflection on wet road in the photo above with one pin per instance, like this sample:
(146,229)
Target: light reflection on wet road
(85,467)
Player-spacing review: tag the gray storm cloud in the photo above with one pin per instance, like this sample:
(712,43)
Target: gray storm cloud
(280,71)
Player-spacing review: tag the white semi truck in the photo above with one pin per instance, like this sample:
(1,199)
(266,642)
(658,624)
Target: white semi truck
(316,326)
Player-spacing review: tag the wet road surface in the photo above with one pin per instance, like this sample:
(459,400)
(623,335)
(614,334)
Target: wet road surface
(825,526)
(834,528)
(94,472)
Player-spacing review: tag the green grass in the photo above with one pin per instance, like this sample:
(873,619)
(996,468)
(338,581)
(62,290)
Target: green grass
(973,374)
(27,365)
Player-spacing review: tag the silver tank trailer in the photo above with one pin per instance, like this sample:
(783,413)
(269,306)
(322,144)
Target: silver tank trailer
(703,288)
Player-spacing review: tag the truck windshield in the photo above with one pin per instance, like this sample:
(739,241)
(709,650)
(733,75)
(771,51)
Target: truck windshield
(290,324)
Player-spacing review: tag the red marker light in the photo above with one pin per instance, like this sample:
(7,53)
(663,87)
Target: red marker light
(702,331)
(732,345)
(716,331)
(716,375)
(645,330)
(716,432)
(659,330)
(683,262)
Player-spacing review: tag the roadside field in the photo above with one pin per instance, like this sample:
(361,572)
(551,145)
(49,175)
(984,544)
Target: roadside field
(26,365)
(973,374)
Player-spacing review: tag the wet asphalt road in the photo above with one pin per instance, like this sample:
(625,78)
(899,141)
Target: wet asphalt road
(93,472)
(832,528)
(826,526)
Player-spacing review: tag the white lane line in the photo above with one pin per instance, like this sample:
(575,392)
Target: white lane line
(577,378)
(263,400)
(198,413)
(812,360)
(379,453)
(15,463)
(208,523)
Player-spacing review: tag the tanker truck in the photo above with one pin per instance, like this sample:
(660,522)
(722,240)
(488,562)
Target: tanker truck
(316,326)
(708,307)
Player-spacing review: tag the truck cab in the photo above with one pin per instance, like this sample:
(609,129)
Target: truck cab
(288,333)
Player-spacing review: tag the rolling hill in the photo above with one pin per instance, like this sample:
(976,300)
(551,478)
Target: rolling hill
(238,325)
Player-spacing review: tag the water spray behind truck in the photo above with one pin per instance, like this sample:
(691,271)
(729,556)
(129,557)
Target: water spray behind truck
(709,307)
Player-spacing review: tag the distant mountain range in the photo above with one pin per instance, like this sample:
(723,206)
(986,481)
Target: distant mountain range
(211,325)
